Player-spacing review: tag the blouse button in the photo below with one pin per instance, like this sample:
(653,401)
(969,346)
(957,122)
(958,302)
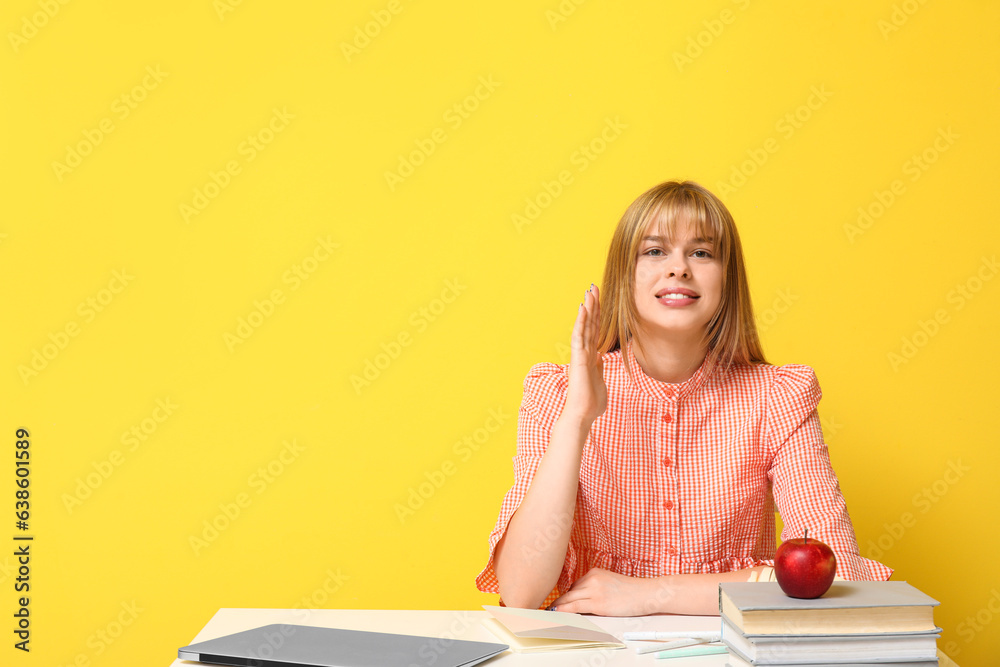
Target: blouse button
(667,417)
(669,504)
(667,461)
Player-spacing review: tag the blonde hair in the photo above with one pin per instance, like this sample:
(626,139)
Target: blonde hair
(731,334)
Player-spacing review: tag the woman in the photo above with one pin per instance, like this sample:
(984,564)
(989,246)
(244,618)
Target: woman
(648,469)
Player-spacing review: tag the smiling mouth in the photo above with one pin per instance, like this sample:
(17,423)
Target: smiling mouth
(677,297)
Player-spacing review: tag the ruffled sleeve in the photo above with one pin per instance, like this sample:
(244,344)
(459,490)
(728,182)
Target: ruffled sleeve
(805,487)
(544,397)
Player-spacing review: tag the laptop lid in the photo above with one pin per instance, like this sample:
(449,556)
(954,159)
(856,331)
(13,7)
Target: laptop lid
(285,645)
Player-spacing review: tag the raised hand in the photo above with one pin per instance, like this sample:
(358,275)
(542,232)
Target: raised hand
(587,395)
(530,556)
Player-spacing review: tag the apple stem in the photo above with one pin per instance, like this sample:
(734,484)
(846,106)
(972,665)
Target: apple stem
(805,540)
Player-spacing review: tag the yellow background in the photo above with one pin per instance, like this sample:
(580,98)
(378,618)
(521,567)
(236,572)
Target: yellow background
(696,91)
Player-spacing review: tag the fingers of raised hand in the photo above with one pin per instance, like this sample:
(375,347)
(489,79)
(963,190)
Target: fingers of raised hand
(587,322)
(593,321)
(576,339)
(588,305)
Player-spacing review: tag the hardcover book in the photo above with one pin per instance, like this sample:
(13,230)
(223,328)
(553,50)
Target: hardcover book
(849,607)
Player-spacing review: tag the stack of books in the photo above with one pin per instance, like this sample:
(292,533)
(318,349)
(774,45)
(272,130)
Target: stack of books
(888,623)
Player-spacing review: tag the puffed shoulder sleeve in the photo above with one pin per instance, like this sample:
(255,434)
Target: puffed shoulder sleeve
(544,397)
(806,490)
(542,403)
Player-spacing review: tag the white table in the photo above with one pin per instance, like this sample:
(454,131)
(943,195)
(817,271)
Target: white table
(468,625)
(465,625)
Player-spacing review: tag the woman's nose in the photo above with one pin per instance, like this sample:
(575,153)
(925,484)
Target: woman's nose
(678,267)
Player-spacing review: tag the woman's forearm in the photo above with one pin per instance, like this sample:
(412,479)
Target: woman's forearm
(529,558)
(607,593)
(697,594)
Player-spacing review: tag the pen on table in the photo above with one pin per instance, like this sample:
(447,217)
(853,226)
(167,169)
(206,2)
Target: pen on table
(688,652)
(663,646)
(706,635)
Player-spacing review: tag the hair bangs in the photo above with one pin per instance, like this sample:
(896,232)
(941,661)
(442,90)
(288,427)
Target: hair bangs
(676,209)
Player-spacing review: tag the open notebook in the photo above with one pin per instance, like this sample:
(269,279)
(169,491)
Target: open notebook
(537,630)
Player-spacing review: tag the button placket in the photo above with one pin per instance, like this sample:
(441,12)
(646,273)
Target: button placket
(668,502)
(668,440)
(671,536)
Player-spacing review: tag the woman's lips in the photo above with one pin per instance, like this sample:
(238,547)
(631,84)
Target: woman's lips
(676,300)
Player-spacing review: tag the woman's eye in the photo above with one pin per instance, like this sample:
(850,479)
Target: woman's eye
(655,252)
(702,254)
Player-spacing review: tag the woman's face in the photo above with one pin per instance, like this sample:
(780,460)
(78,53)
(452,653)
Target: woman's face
(678,285)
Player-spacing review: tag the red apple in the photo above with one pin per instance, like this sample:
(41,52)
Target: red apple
(804,568)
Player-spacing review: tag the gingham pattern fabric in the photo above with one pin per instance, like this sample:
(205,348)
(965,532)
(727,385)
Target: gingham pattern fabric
(685,478)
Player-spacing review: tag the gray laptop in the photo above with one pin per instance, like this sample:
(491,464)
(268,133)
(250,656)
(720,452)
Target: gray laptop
(284,645)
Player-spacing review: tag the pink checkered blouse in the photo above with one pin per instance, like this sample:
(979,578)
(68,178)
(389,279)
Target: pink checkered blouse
(685,477)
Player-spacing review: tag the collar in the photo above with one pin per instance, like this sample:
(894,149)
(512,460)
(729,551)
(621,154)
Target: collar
(664,391)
